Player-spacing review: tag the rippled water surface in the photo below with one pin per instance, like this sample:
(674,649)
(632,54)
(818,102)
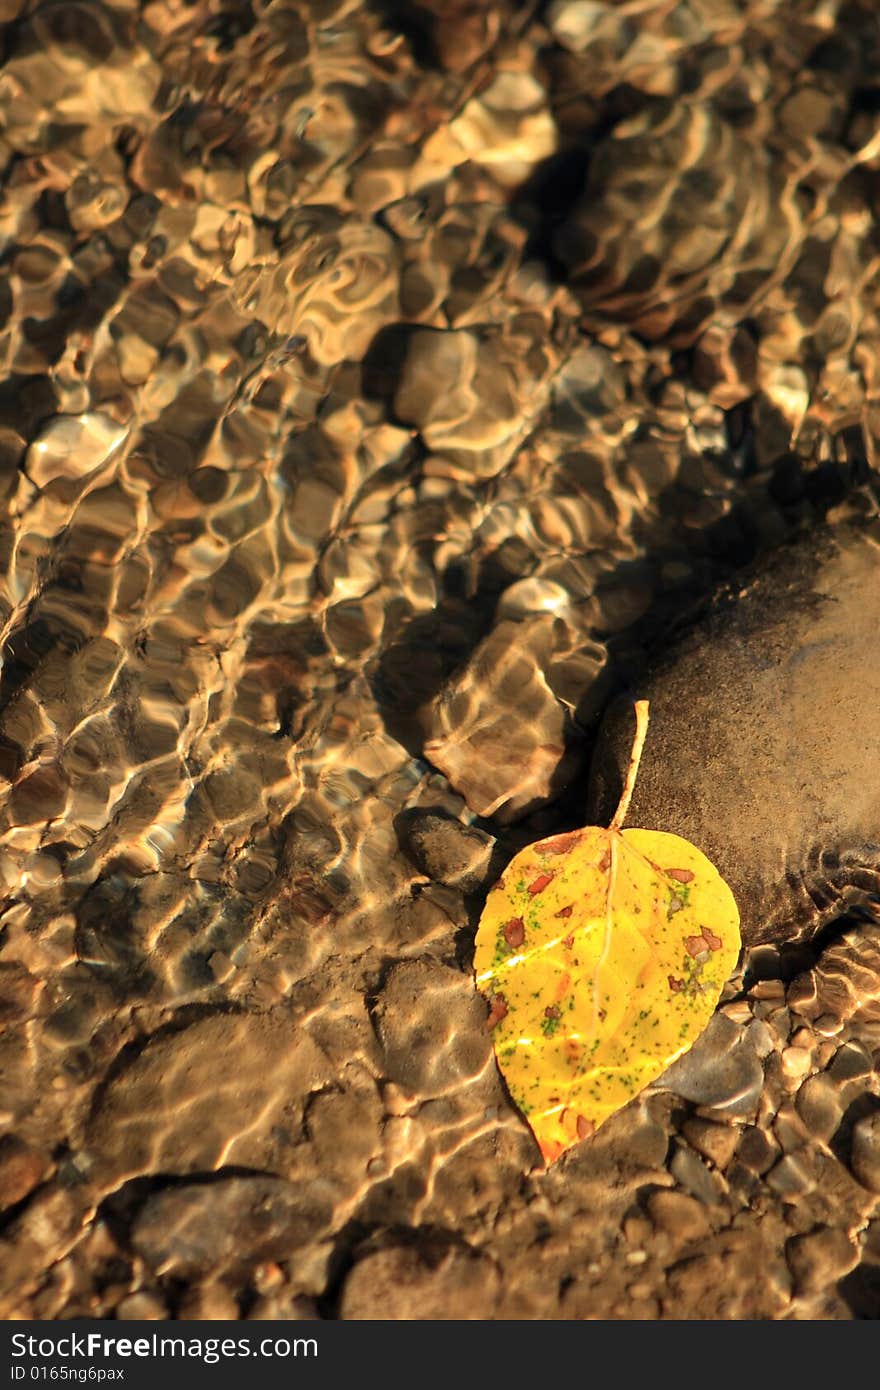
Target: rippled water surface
(379,381)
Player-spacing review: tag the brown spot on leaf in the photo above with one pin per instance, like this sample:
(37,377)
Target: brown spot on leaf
(552,1012)
(681,875)
(712,941)
(605,861)
(694,945)
(515,932)
(572,1049)
(568,941)
(539,884)
(675,985)
(497,1011)
(585,1128)
(564,911)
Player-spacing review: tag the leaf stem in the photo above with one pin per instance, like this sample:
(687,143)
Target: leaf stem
(635,758)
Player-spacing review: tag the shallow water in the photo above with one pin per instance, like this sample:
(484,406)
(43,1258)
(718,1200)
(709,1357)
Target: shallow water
(380,381)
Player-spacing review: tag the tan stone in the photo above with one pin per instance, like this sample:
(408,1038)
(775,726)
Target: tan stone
(682,1217)
(820,1258)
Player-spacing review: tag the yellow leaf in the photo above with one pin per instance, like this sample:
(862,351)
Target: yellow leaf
(603,954)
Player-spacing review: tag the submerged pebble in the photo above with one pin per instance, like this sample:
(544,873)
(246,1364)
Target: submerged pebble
(721,1070)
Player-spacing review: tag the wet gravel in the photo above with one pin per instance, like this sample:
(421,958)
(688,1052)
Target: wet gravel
(380,383)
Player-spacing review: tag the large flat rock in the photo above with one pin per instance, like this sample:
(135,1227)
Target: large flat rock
(764,735)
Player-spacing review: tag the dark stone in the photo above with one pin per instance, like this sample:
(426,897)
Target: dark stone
(229,1223)
(721,1070)
(765,719)
(446,850)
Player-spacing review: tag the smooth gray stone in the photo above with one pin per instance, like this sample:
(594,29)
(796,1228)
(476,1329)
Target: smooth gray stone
(764,741)
(721,1070)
